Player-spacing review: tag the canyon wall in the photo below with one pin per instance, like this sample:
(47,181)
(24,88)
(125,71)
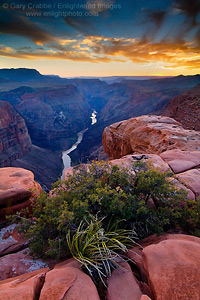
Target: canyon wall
(14,138)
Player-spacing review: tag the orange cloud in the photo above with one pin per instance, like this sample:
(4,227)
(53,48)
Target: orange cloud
(170,54)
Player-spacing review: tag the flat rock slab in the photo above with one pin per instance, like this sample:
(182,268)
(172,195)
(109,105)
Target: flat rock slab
(181,161)
(122,284)
(152,159)
(173,268)
(6,238)
(19,263)
(191,179)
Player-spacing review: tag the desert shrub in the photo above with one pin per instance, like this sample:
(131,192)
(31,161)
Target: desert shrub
(142,200)
(99,251)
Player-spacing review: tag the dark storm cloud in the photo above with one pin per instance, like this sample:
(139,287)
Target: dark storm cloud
(191,11)
(156,18)
(197,38)
(153,21)
(20,25)
(189,8)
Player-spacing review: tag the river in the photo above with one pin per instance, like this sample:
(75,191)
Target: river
(65,155)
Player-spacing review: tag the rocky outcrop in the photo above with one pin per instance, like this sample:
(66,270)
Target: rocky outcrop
(177,149)
(14,137)
(64,282)
(148,134)
(17,188)
(166,267)
(186,109)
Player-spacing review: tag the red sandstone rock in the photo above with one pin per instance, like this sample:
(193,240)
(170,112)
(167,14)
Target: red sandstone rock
(19,263)
(15,189)
(68,283)
(181,161)
(69,171)
(122,285)
(153,160)
(24,287)
(145,297)
(127,162)
(191,179)
(148,134)
(178,185)
(173,268)
(14,137)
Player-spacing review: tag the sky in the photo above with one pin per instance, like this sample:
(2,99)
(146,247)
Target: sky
(101,37)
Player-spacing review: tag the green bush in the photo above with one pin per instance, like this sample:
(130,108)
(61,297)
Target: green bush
(142,200)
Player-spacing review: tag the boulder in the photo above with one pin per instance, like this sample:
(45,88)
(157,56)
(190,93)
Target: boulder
(17,187)
(191,179)
(68,283)
(148,134)
(24,287)
(173,268)
(19,263)
(122,284)
(181,161)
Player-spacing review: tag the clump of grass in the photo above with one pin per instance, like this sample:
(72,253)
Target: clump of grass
(98,250)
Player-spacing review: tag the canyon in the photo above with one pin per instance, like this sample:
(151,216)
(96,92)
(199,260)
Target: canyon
(146,275)
(55,109)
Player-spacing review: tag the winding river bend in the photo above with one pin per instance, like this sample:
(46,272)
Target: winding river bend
(65,155)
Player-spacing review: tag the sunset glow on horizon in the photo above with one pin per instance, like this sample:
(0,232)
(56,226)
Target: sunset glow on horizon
(102,38)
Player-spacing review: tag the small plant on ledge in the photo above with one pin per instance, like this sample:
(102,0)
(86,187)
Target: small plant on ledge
(99,251)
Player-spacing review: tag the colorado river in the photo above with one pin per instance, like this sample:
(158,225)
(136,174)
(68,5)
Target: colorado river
(65,155)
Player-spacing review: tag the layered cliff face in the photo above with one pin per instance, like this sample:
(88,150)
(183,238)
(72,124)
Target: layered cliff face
(53,116)
(14,137)
(185,109)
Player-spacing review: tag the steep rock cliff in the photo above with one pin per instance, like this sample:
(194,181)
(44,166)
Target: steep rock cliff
(53,115)
(14,137)
(186,109)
